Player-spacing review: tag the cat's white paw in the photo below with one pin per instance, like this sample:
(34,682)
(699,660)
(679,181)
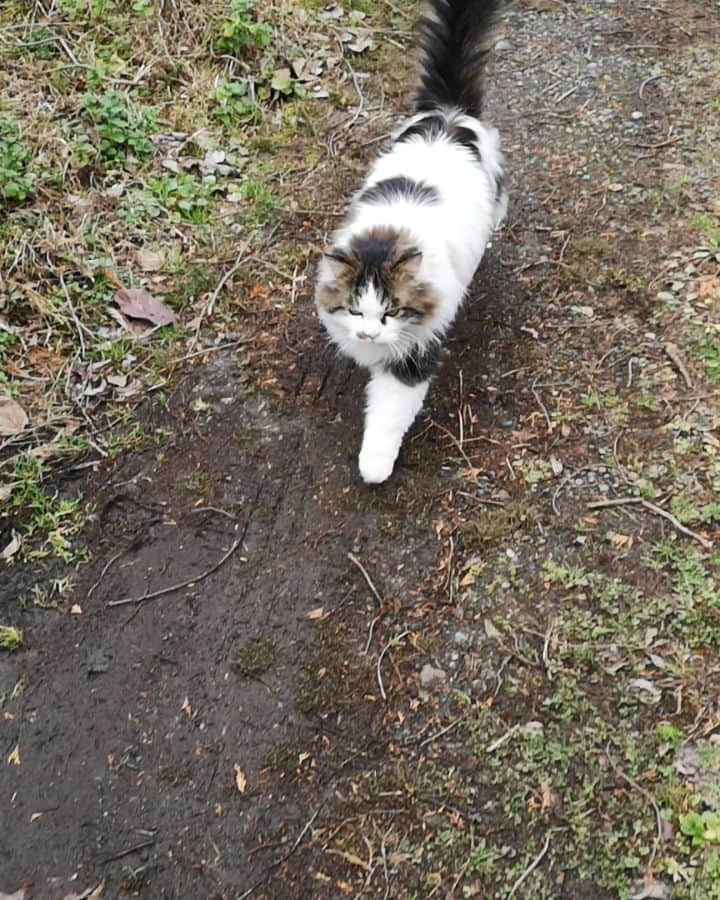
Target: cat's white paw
(375,467)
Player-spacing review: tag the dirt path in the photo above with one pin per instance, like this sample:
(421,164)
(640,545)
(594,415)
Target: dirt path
(232,735)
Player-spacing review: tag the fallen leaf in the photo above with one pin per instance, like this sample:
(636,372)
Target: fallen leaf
(186,708)
(149,260)
(361,45)
(33,818)
(240,779)
(141,305)
(316,613)
(14,758)
(642,684)
(76,609)
(282,81)
(11,549)
(13,418)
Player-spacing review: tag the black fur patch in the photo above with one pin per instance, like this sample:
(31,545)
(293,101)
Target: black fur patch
(415,368)
(415,191)
(428,128)
(432,126)
(457,36)
(467,138)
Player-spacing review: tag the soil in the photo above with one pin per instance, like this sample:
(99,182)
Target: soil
(185,745)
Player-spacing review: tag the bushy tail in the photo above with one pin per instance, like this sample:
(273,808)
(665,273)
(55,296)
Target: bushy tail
(456,39)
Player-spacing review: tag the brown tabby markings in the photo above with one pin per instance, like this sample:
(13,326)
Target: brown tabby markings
(389,260)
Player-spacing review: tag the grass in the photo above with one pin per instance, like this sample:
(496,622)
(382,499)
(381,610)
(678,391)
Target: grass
(10,637)
(110,148)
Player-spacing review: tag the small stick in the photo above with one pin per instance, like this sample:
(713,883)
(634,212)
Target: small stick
(677,360)
(531,868)
(391,643)
(215,509)
(503,739)
(104,572)
(544,409)
(123,853)
(439,734)
(285,857)
(647,795)
(456,442)
(656,510)
(353,559)
(176,587)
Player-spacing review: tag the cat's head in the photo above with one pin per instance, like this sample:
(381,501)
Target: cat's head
(371,291)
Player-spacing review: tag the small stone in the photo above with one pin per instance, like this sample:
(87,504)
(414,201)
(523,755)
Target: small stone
(430,676)
(461,638)
(665,297)
(636,114)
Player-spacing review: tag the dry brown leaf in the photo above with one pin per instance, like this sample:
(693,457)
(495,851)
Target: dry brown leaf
(148,260)
(13,418)
(141,305)
(10,549)
(240,779)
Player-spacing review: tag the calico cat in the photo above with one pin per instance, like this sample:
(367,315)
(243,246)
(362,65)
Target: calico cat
(401,262)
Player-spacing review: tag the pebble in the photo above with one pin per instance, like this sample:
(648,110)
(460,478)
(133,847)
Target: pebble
(430,676)
(461,638)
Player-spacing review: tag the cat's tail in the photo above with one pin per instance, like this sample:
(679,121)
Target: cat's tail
(456,39)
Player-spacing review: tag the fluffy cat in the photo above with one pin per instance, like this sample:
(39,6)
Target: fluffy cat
(401,262)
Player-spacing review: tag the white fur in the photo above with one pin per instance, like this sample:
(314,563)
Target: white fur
(451,234)
(391,410)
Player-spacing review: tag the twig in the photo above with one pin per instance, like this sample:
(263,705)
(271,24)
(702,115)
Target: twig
(215,509)
(78,326)
(209,306)
(674,354)
(647,795)
(176,587)
(104,572)
(503,739)
(391,643)
(542,406)
(531,868)
(456,442)
(123,853)
(656,510)
(286,856)
(353,559)
(439,734)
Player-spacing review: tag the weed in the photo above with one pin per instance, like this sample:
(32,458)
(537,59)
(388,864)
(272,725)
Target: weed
(16,183)
(241,31)
(49,521)
(232,104)
(10,637)
(122,128)
(255,657)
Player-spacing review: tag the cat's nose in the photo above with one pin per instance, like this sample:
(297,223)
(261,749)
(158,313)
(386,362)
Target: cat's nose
(368,335)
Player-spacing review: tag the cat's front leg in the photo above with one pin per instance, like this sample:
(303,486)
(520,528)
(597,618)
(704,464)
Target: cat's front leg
(391,410)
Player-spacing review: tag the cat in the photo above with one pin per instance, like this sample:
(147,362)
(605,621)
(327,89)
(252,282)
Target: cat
(401,262)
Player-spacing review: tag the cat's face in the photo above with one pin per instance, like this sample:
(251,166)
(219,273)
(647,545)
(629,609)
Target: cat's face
(372,293)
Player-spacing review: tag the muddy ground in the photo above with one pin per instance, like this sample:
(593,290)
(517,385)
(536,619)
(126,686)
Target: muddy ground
(216,740)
